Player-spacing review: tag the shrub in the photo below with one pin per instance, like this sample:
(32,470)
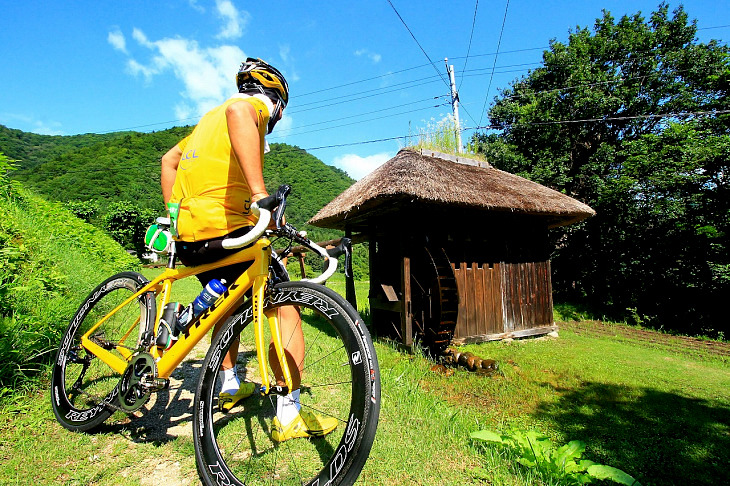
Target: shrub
(49,261)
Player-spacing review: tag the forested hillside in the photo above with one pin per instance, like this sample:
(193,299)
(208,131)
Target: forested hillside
(112,180)
(31,149)
(102,169)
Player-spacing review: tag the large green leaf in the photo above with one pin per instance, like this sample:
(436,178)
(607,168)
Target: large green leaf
(599,471)
(487,436)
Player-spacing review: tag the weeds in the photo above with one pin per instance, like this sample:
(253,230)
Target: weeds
(49,260)
(563,464)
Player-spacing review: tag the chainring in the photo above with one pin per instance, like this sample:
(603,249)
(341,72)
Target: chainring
(134,387)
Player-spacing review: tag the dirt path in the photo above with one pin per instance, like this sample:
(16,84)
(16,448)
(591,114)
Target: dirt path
(167,416)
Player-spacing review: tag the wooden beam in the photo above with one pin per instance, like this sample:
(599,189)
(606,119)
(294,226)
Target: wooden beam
(535,331)
(350,281)
(406,316)
(359,238)
(300,257)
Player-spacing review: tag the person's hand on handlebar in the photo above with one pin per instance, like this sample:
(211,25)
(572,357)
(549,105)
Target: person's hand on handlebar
(259,196)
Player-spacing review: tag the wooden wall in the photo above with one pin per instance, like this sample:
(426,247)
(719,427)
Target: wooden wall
(502,300)
(500,263)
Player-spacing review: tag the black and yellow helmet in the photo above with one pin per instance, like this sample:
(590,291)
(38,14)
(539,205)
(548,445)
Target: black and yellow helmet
(257,76)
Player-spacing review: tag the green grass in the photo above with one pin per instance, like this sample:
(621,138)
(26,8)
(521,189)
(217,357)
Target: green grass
(660,412)
(49,261)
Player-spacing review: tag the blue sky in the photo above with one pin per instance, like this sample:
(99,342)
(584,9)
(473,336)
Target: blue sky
(355,72)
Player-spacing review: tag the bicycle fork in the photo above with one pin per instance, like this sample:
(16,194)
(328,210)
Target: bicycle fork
(275,330)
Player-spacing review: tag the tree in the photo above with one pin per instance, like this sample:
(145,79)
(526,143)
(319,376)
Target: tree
(86,210)
(127,224)
(630,118)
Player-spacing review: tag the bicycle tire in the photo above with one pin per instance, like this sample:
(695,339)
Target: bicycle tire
(84,390)
(341,378)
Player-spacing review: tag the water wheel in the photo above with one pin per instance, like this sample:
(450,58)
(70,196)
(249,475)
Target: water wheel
(434,299)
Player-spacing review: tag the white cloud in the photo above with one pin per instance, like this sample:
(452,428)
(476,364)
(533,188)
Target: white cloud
(207,74)
(116,39)
(358,167)
(285,55)
(284,125)
(234,21)
(284,51)
(29,123)
(47,128)
(195,6)
(136,69)
(140,37)
(370,55)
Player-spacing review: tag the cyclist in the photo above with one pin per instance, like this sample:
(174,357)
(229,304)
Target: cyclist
(211,178)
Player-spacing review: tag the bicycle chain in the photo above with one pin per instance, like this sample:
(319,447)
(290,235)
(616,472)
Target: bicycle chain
(103,401)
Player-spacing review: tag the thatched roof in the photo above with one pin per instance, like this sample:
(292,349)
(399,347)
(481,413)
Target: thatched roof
(424,177)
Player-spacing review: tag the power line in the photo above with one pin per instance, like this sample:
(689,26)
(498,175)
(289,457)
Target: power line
(423,82)
(469,56)
(499,43)
(487,127)
(368,113)
(364,121)
(484,127)
(331,88)
(468,49)
(419,44)
(514,51)
(376,91)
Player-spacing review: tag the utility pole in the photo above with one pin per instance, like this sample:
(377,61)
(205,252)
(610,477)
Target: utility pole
(454,104)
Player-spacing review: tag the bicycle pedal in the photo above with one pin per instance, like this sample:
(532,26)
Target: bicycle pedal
(155,384)
(162,384)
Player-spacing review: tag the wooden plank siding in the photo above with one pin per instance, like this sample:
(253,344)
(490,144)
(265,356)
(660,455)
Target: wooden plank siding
(527,295)
(501,299)
(480,299)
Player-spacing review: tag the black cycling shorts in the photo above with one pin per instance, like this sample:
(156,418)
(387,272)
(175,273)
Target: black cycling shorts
(193,253)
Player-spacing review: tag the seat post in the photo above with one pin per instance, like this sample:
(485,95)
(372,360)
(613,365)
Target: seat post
(171,255)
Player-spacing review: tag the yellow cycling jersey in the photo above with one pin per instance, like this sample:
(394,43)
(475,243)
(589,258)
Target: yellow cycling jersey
(210,187)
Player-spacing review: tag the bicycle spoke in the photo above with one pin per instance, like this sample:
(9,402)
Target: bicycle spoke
(334,396)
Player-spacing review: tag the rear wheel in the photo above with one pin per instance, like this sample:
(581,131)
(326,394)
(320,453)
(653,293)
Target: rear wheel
(340,380)
(84,390)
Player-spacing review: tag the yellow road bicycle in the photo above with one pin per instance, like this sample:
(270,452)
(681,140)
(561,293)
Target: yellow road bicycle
(109,364)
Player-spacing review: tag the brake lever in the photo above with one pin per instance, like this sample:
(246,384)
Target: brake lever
(345,247)
(281,195)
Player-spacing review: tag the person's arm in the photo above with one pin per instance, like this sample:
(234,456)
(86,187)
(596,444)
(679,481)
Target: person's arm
(170,162)
(243,132)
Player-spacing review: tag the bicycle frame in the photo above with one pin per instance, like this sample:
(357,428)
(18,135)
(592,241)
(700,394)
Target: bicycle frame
(255,278)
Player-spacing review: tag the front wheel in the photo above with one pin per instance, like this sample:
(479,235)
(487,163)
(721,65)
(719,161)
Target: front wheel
(340,380)
(84,390)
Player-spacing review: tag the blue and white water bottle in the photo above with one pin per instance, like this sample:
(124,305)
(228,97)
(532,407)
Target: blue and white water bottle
(208,295)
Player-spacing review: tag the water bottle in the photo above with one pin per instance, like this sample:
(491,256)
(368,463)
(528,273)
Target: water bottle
(166,335)
(207,296)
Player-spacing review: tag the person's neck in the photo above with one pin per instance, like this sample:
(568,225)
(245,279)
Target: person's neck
(265,99)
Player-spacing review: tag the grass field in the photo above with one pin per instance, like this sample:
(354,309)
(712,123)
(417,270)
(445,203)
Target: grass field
(654,406)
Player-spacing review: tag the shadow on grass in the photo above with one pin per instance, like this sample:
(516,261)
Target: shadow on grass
(658,437)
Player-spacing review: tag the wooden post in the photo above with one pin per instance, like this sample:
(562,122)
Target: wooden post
(300,256)
(374,279)
(405,314)
(350,281)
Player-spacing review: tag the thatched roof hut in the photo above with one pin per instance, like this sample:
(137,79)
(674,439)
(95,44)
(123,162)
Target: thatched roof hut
(458,249)
(425,177)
